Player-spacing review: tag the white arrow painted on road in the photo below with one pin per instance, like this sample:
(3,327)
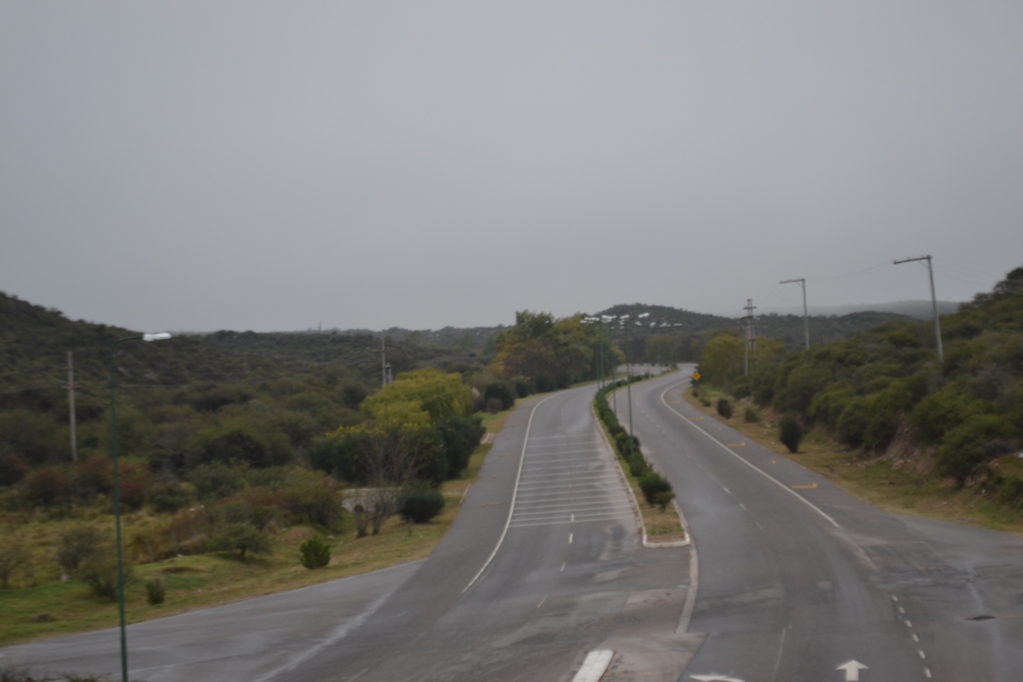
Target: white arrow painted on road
(852,670)
(714,677)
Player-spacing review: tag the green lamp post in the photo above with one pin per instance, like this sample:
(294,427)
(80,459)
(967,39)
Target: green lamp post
(117,491)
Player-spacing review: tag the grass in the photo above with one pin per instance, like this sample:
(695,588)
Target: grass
(54,607)
(900,485)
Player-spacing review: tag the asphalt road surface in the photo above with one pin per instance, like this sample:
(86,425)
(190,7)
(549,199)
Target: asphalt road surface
(519,592)
(800,581)
(794,579)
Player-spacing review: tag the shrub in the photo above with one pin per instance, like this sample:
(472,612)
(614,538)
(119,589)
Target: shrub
(48,486)
(460,437)
(13,467)
(724,408)
(941,412)
(652,483)
(13,555)
(790,433)
(421,504)
(169,497)
(155,591)
(216,480)
(828,405)
(853,421)
(76,545)
(494,405)
(504,393)
(243,538)
(627,445)
(638,465)
(522,387)
(741,387)
(314,553)
(966,447)
(663,498)
(704,401)
(751,415)
(314,499)
(99,572)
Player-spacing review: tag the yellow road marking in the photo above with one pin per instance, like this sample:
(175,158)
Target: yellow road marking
(736,445)
(806,487)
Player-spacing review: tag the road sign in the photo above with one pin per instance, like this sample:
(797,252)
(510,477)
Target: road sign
(696,376)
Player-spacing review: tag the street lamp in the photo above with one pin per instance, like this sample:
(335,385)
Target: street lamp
(117,490)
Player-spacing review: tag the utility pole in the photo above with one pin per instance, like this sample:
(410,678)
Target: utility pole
(383,360)
(806,319)
(934,302)
(751,339)
(71,406)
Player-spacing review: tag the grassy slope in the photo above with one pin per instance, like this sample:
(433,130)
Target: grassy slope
(884,482)
(200,581)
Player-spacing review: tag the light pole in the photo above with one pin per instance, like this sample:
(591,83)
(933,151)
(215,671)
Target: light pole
(117,491)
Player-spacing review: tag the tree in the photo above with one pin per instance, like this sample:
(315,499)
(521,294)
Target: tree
(722,359)
(243,538)
(76,545)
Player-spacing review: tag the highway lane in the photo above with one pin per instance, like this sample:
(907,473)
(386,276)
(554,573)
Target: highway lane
(798,578)
(570,576)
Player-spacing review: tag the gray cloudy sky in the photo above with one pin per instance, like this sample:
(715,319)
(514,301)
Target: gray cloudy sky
(208,165)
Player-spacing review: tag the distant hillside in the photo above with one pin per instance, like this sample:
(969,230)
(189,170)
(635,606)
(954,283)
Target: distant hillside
(664,320)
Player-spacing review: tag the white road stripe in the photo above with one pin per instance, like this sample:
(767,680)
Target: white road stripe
(594,666)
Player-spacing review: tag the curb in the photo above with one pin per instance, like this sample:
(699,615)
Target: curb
(632,497)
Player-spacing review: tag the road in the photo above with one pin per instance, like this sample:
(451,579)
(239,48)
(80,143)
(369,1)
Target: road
(797,578)
(569,576)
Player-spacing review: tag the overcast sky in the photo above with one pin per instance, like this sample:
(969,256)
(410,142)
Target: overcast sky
(210,165)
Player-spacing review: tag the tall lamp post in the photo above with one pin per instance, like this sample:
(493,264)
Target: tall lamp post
(117,490)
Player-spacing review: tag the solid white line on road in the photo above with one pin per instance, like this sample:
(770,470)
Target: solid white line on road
(750,464)
(594,666)
(515,492)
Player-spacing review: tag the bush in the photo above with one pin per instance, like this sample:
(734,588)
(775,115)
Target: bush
(627,445)
(315,500)
(99,572)
(155,591)
(725,408)
(853,421)
(169,497)
(638,465)
(790,433)
(704,401)
(216,480)
(652,483)
(13,468)
(828,405)
(741,387)
(314,553)
(76,545)
(970,445)
(663,498)
(13,554)
(243,538)
(504,393)
(48,486)
(751,415)
(421,504)
(494,405)
(523,387)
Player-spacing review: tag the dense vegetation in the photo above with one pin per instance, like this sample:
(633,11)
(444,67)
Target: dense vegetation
(885,391)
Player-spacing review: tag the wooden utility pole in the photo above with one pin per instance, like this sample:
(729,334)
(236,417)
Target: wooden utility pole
(751,339)
(934,302)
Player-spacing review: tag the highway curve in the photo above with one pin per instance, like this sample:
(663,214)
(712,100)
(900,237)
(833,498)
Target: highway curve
(800,581)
